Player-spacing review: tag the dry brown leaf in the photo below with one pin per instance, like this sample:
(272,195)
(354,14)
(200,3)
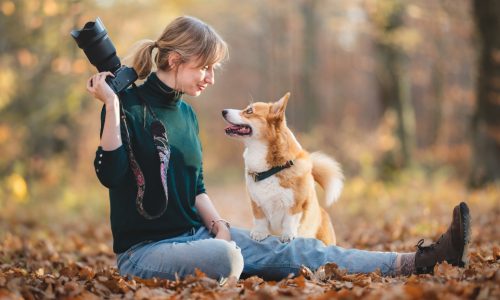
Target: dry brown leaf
(72,288)
(100,289)
(86,273)
(15,284)
(300,281)
(362,280)
(85,295)
(496,252)
(70,270)
(230,282)
(306,272)
(6,294)
(252,282)
(414,291)
(329,271)
(475,256)
(146,293)
(447,271)
(151,282)
(198,273)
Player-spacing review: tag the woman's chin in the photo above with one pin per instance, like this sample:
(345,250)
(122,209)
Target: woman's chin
(193,93)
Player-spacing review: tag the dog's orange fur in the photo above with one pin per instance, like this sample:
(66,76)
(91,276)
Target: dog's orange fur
(282,147)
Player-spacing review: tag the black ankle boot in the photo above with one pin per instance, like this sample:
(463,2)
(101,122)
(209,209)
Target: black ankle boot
(452,246)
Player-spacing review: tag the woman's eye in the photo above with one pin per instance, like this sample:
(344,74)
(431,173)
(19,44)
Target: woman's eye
(249,110)
(205,68)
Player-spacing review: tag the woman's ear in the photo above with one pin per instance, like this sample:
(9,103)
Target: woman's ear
(174,60)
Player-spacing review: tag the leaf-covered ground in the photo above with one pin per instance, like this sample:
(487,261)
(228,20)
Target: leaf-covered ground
(71,258)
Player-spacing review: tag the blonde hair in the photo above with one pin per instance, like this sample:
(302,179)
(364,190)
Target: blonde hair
(187,36)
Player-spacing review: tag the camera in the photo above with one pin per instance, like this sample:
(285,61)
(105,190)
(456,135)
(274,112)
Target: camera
(93,39)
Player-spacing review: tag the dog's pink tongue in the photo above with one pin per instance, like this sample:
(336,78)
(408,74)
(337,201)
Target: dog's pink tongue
(233,127)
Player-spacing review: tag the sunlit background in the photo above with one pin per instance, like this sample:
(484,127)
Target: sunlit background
(387,87)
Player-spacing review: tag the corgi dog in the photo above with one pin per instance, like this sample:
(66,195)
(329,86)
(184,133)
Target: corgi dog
(280,175)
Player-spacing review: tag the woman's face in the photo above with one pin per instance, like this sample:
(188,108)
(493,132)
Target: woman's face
(193,79)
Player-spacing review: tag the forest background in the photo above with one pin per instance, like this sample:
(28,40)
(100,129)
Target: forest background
(405,95)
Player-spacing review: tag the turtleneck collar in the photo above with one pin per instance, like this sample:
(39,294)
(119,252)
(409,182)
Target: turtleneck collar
(162,94)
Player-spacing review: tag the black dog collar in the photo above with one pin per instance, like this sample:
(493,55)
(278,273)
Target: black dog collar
(258,176)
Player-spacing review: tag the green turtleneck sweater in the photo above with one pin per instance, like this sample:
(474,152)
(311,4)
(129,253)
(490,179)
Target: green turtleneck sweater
(184,177)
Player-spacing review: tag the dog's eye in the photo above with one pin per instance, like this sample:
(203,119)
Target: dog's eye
(249,110)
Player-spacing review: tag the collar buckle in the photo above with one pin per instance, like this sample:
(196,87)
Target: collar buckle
(253,175)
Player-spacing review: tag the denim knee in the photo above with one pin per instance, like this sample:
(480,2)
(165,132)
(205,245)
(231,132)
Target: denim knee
(216,258)
(227,258)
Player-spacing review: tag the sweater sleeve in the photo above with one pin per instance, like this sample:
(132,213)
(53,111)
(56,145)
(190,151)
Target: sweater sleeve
(200,184)
(110,166)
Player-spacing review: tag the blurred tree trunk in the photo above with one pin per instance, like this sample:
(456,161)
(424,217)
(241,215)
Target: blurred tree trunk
(395,88)
(309,96)
(438,78)
(273,59)
(486,119)
(264,54)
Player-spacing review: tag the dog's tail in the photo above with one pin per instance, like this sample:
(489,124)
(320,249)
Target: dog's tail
(327,172)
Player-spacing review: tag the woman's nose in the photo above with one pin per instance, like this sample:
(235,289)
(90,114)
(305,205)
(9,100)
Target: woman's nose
(210,77)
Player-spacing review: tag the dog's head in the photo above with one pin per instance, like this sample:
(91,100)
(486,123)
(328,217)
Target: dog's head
(257,120)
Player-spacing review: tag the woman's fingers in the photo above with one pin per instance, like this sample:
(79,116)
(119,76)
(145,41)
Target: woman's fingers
(95,80)
(89,85)
(98,78)
(98,87)
(102,79)
(92,84)
(104,75)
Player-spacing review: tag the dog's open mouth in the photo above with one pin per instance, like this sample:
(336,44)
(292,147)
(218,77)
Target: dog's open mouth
(238,129)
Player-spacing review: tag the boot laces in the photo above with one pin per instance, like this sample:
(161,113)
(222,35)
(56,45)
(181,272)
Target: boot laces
(426,248)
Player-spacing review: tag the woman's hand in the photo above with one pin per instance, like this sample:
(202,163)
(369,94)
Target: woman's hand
(211,218)
(99,89)
(223,232)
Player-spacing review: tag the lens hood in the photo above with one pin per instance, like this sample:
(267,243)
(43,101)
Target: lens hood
(89,34)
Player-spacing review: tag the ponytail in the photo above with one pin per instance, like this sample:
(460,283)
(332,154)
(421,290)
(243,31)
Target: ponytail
(142,61)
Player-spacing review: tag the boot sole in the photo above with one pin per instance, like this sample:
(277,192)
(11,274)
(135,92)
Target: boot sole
(465,223)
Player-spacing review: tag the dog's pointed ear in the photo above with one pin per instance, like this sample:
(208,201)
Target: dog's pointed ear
(278,107)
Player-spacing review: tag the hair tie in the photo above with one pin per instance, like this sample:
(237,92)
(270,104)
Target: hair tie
(155,45)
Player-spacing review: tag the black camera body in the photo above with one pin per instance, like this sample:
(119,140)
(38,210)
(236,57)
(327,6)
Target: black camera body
(93,39)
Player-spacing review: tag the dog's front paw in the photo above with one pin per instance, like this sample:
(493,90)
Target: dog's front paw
(287,237)
(259,235)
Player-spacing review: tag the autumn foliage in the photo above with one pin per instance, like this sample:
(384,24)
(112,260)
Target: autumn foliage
(72,259)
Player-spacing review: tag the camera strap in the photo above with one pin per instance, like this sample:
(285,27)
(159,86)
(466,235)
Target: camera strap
(160,140)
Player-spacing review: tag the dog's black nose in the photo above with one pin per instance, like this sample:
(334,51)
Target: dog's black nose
(224,112)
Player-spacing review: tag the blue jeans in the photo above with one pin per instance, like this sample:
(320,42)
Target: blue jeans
(269,259)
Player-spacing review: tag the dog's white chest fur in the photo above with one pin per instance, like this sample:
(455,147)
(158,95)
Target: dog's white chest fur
(273,199)
(269,195)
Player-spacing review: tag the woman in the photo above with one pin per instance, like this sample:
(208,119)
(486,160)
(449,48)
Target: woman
(162,220)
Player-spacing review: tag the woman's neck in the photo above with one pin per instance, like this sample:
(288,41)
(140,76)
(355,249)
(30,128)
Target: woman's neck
(167,77)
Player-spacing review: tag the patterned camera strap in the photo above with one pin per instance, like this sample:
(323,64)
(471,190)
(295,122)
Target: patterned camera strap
(159,133)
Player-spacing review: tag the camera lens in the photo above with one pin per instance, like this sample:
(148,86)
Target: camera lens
(93,39)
